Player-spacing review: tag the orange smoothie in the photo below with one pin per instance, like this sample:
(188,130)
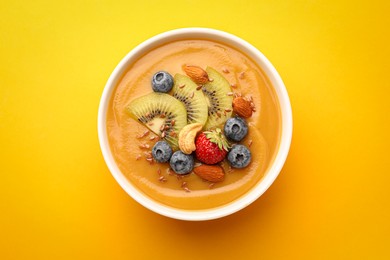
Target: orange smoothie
(131,142)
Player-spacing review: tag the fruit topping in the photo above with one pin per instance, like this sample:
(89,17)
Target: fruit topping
(162,152)
(242,107)
(181,163)
(236,129)
(161,113)
(162,81)
(193,99)
(211,146)
(219,100)
(212,173)
(239,156)
(187,137)
(197,74)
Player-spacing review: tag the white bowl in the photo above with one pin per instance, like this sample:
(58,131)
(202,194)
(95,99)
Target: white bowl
(276,82)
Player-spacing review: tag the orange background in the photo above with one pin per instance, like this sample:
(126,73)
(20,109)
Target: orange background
(58,199)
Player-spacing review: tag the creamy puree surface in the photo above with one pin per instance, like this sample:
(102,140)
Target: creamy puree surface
(263,137)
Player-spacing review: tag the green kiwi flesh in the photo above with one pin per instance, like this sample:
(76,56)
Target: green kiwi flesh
(191,95)
(161,113)
(218,92)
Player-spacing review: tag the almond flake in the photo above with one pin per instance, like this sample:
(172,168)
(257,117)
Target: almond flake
(162,179)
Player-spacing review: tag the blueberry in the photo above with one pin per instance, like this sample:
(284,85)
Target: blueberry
(239,156)
(162,82)
(181,163)
(162,152)
(236,129)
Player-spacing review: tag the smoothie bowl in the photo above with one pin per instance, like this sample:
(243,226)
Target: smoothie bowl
(195,124)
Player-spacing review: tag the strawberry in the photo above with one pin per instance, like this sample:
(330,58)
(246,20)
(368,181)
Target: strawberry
(211,146)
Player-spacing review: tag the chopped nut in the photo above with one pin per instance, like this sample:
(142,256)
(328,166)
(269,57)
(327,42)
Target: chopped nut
(150,160)
(184,186)
(144,146)
(148,154)
(143,134)
(162,179)
(241,75)
(170,172)
(225,70)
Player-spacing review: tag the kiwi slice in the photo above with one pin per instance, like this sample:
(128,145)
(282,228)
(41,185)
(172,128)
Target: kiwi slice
(218,92)
(191,95)
(161,113)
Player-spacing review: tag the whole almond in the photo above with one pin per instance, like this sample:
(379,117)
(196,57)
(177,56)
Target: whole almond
(197,74)
(242,107)
(212,173)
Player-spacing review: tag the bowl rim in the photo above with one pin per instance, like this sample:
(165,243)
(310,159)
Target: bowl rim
(286,121)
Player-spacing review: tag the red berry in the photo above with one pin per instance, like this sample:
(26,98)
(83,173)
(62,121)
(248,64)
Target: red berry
(211,147)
